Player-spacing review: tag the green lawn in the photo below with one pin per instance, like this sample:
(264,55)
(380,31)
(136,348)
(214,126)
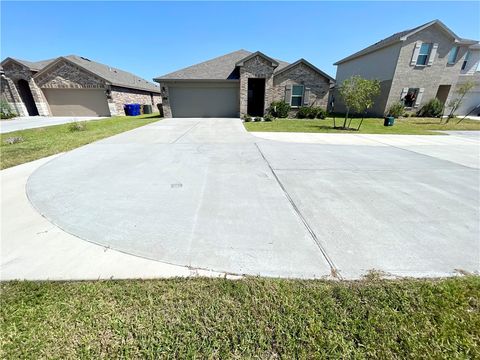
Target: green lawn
(248,318)
(46,141)
(412,126)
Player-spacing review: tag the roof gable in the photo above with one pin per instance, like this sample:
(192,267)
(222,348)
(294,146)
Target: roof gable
(111,75)
(403,36)
(242,62)
(306,63)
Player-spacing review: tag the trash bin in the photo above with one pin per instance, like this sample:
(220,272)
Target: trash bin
(132,109)
(388,121)
(147,109)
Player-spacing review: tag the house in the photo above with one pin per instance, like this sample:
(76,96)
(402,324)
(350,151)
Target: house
(241,83)
(414,66)
(72,86)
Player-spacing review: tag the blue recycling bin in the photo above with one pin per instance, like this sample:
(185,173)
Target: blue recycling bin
(132,109)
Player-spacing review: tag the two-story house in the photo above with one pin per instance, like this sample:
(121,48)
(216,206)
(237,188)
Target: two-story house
(414,66)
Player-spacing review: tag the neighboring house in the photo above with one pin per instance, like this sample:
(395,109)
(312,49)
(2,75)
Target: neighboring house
(414,66)
(241,83)
(72,86)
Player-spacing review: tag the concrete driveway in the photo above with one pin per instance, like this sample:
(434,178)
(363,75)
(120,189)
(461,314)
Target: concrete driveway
(204,193)
(31,122)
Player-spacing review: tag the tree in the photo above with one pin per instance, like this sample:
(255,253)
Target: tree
(455,103)
(358,95)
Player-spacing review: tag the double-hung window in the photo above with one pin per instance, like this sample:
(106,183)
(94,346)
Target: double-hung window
(452,56)
(423,54)
(464,65)
(297,96)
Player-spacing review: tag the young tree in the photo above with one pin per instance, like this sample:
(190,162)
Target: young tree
(358,94)
(455,103)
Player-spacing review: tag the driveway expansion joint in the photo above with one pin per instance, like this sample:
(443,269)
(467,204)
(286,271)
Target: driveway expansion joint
(333,269)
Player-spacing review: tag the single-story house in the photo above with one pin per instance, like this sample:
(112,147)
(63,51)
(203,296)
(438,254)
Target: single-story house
(242,83)
(72,86)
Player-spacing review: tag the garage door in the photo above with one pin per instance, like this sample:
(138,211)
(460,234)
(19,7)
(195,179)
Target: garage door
(204,100)
(77,102)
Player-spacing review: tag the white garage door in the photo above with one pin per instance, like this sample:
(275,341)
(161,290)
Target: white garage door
(204,99)
(77,102)
(470,101)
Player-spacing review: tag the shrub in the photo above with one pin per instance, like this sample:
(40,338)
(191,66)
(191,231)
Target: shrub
(304,112)
(268,117)
(6,112)
(77,126)
(433,108)
(321,113)
(396,110)
(13,140)
(279,109)
(247,118)
(257,119)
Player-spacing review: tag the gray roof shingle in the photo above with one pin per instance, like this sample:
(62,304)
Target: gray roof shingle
(219,68)
(112,75)
(398,37)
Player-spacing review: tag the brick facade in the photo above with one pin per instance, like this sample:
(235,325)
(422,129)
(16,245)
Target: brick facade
(428,77)
(13,73)
(302,74)
(66,75)
(256,67)
(121,96)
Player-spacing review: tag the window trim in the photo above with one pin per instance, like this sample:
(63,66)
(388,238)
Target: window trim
(454,60)
(297,96)
(416,91)
(465,61)
(427,55)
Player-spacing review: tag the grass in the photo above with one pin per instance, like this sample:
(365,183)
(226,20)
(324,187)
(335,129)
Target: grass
(41,142)
(248,318)
(406,126)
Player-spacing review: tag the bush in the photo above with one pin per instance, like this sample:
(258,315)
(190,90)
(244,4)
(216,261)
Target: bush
(321,113)
(257,119)
(247,118)
(304,112)
(279,109)
(13,140)
(396,110)
(6,112)
(77,126)
(268,117)
(433,108)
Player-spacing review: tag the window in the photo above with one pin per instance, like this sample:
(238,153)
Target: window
(464,65)
(452,56)
(423,54)
(410,97)
(297,95)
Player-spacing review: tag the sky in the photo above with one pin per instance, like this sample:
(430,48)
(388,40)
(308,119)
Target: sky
(151,38)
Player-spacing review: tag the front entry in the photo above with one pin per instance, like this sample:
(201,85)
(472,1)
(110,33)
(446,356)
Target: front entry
(442,93)
(27,97)
(256,97)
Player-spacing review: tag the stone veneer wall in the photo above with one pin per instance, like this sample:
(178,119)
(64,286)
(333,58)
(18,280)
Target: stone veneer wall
(121,96)
(302,74)
(13,73)
(256,67)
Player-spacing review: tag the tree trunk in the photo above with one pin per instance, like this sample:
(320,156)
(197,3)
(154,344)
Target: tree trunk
(359,125)
(346,117)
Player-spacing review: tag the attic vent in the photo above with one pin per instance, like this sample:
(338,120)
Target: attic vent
(84,58)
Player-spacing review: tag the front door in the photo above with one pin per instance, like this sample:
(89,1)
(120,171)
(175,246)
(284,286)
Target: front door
(442,93)
(256,97)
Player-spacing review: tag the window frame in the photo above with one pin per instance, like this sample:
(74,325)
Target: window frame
(297,96)
(465,61)
(416,91)
(453,50)
(427,55)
